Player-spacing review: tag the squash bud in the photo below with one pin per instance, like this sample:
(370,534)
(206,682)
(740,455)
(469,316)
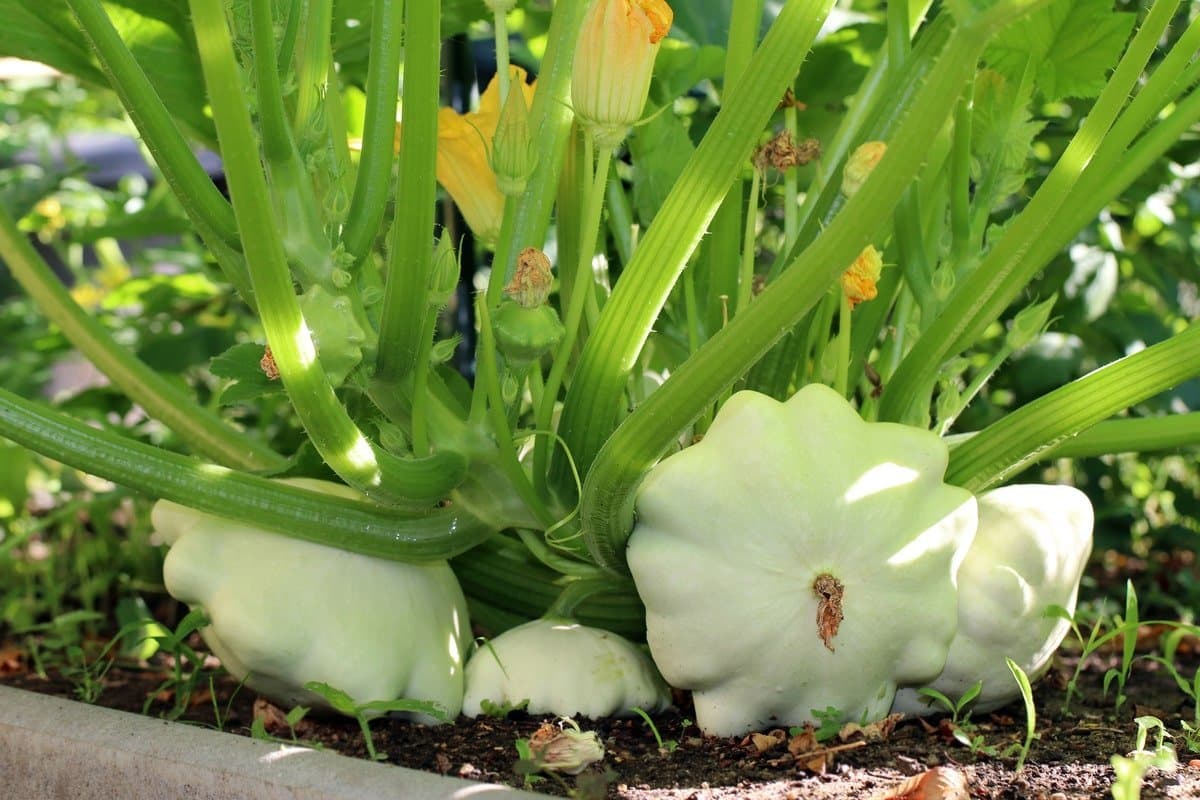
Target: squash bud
(860,165)
(614,59)
(513,157)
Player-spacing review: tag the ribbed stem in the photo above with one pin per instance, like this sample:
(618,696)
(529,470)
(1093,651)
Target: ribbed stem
(377,473)
(374,178)
(200,428)
(403,325)
(312,516)
(1024,435)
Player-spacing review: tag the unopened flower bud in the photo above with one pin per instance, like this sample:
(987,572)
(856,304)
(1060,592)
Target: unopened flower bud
(858,168)
(443,279)
(568,750)
(1030,322)
(513,157)
(860,278)
(943,282)
(532,279)
(393,439)
(614,59)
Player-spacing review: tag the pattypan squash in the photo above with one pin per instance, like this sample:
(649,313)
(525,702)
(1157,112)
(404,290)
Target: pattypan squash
(798,559)
(284,612)
(557,666)
(1029,554)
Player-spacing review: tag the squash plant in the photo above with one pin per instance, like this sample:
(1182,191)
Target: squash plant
(913,231)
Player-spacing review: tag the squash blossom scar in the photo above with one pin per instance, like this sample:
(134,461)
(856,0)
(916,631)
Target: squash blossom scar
(828,590)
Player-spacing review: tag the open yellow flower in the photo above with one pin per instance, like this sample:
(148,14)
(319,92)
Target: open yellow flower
(463,167)
(617,46)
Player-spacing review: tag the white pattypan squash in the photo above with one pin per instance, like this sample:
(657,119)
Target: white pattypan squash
(1029,553)
(285,612)
(798,558)
(561,667)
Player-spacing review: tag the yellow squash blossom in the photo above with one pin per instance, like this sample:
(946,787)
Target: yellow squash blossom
(463,164)
(613,62)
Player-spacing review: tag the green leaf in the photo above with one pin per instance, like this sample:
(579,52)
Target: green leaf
(240,364)
(660,149)
(337,699)
(13,491)
(1073,44)
(408,706)
(154,32)
(1001,136)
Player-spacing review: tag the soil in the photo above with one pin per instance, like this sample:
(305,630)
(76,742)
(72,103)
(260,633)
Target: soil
(1070,756)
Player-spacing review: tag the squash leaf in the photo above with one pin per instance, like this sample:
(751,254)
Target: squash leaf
(1073,44)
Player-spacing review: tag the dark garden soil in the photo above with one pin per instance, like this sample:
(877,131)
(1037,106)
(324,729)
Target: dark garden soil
(1070,758)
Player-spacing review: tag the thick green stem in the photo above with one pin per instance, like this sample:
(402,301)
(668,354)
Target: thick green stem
(374,178)
(593,402)
(1023,436)
(200,198)
(526,218)
(200,428)
(501,573)
(645,434)
(1007,268)
(403,324)
(313,58)
(1135,435)
(583,284)
(337,438)
(316,517)
(745,285)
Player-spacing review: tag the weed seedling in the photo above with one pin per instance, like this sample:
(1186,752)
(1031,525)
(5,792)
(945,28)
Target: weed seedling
(953,708)
(665,746)
(1131,769)
(1030,710)
(182,681)
(364,712)
(258,728)
(1128,628)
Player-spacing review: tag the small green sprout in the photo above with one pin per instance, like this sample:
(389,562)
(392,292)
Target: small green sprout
(665,746)
(957,708)
(1131,769)
(364,712)
(1030,710)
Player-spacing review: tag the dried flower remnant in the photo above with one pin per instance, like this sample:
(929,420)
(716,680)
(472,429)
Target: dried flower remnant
(267,364)
(783,152)
(531,280)
(829,591)
(860,278)
(568,750)
(860,165)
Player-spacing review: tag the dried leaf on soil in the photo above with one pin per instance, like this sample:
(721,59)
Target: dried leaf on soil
(939,783)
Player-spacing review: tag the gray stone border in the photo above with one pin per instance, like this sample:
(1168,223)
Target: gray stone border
(53,748)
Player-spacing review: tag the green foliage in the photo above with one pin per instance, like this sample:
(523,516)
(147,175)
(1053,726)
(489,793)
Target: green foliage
(364,712)
(1131,770)
(1069,44)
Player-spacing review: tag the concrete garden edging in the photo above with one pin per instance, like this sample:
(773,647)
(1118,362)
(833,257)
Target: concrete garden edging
(52,748)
